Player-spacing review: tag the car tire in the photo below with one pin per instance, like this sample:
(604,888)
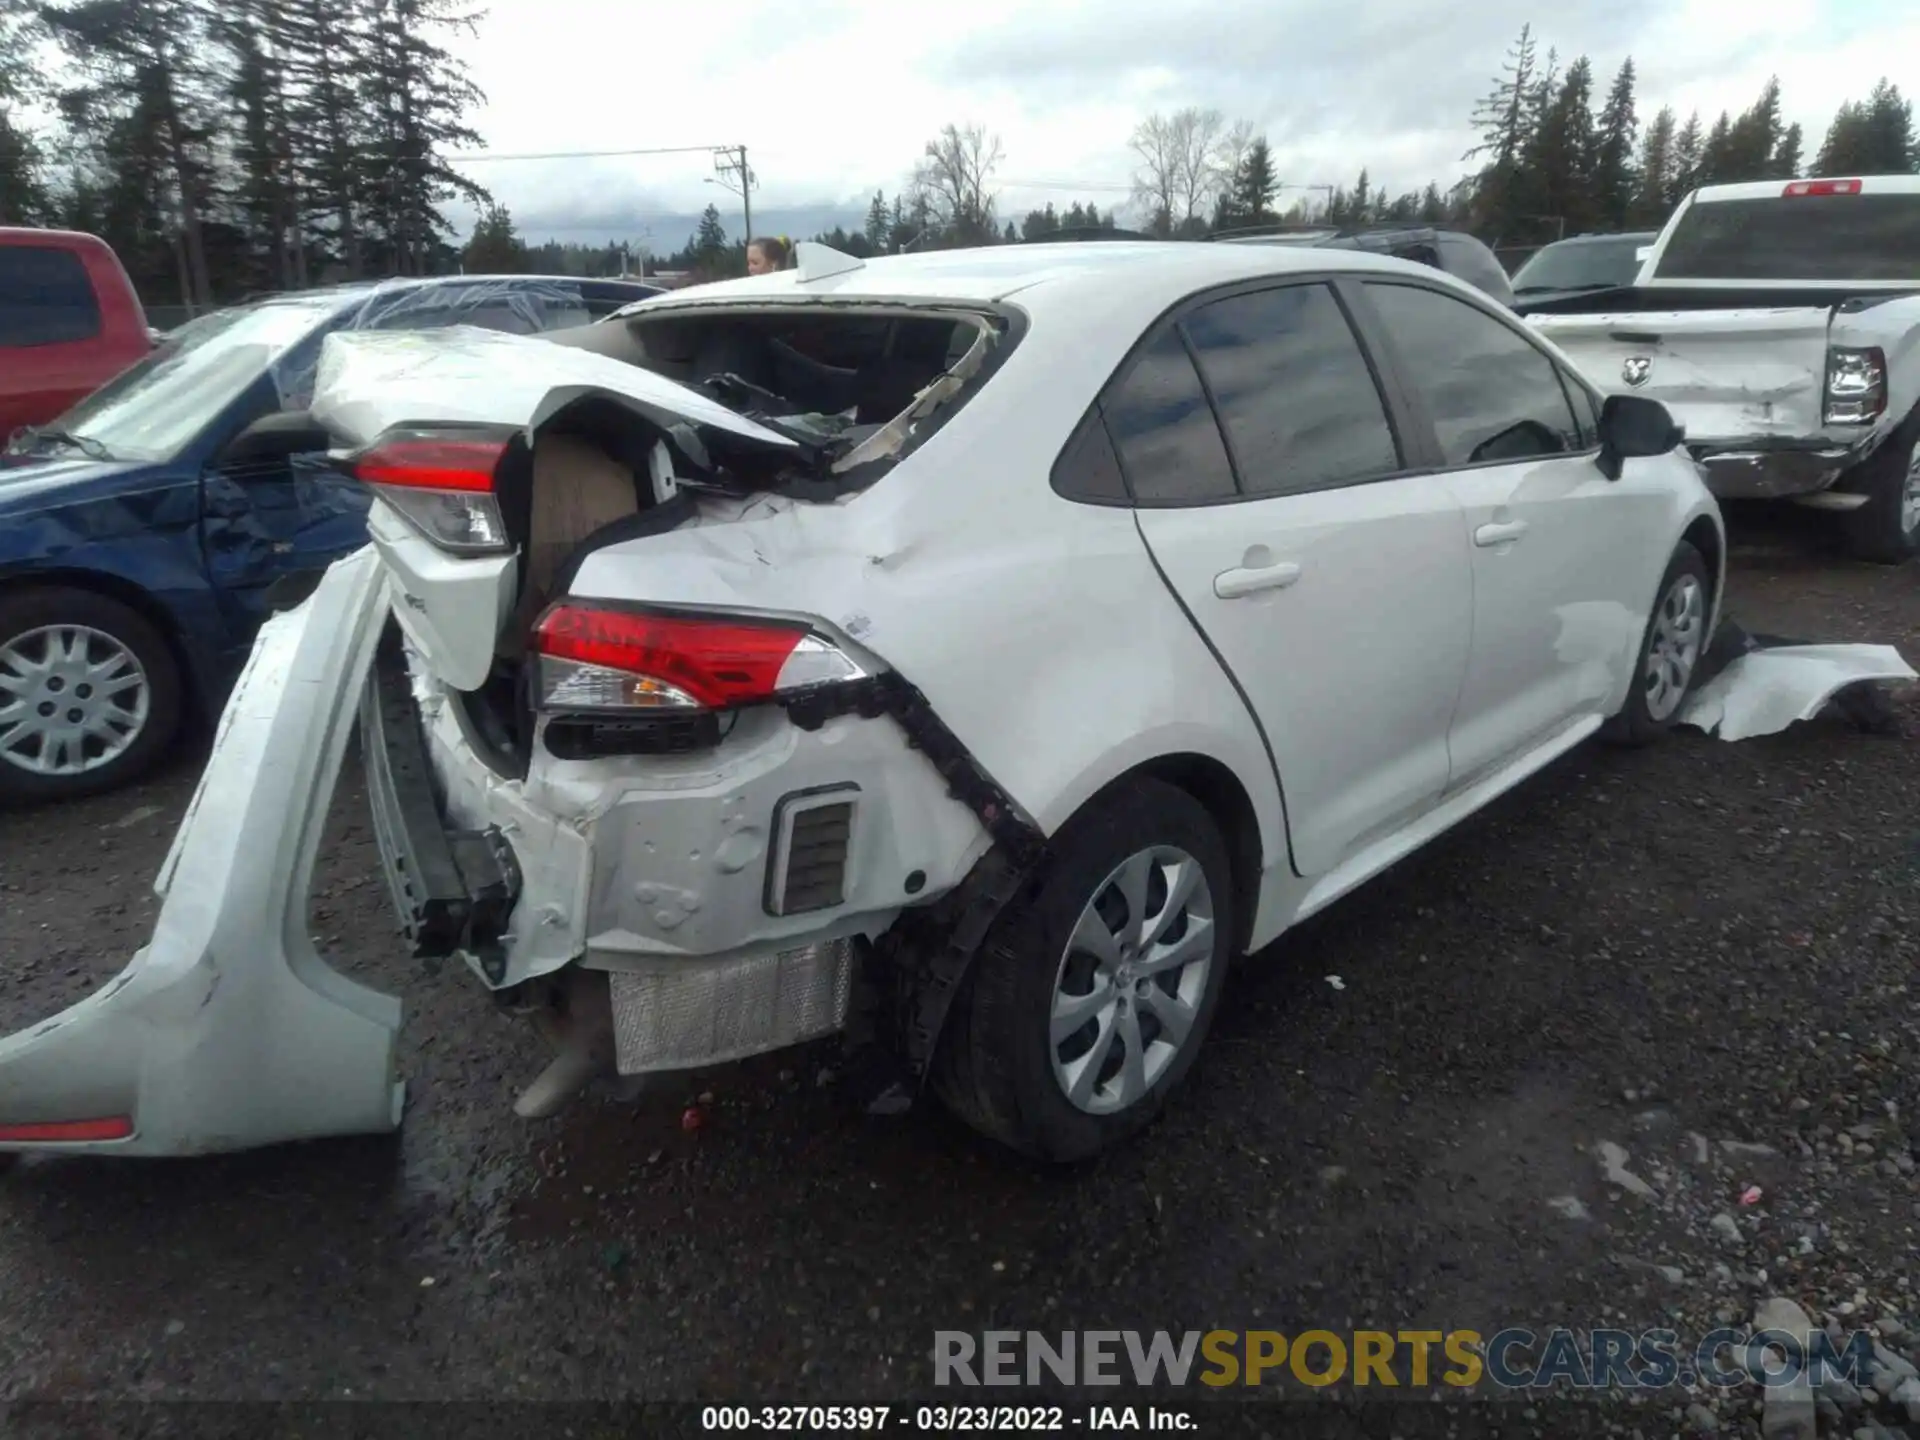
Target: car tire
(1000,1067)
(1670,653)
(1886,530)
(125,732)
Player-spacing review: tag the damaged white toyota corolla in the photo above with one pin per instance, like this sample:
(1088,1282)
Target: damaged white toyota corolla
(1013,637)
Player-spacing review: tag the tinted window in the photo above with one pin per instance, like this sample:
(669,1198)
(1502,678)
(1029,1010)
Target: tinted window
(1294,391)
(1492,395)
(1581,264)
(1813,238)
(1170,447)
(1088,469)
(45,297)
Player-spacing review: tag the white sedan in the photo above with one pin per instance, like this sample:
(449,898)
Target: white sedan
(1015,636)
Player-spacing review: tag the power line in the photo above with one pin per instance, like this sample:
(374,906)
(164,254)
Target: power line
(488,156)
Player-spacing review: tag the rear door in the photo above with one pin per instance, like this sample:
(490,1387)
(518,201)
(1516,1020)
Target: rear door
(1330,576)
(1558,549)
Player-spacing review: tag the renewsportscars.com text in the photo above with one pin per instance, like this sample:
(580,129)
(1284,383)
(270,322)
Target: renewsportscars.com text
(1511,1359)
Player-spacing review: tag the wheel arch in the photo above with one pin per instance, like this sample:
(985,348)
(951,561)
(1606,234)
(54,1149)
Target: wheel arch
(1220,792)
(1705,535)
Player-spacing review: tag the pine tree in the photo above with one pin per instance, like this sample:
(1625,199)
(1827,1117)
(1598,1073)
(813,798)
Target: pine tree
(1786,155)
(710,240)
(1889,130)
(326,53)
(1689,154)
(1502,120)
(879,225)
(23,195)
(1433,206)
(1714,156)
(494,248)
(1847,143)
(261,36)
(1654,195)
(1039,224)
(417,94)
(1250,198)
(148,59)
(1560,158)
(1613,177)
(1752,141)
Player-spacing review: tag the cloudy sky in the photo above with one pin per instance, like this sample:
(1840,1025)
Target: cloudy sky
(835,97)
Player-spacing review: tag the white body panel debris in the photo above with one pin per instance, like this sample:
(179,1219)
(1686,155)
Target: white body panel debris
(1765,691)
(228,1030)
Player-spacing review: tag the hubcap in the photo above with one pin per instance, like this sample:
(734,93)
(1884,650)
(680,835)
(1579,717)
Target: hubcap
(1129,985)
(1910,496)
(1679,624)
(72,699)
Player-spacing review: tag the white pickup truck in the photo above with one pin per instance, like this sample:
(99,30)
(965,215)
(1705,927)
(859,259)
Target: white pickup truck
(1780,323)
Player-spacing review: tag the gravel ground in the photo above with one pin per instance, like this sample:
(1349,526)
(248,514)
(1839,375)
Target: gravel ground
(1687,953)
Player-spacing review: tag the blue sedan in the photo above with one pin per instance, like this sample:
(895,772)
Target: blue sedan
(147,533)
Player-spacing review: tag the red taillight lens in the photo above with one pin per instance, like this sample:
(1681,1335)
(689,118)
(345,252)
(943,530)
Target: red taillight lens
(598,658)
(67,1132)
(1821,187)
(442,483)
(432,462)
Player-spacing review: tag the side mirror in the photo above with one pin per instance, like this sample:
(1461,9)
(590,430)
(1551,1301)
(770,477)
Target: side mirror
(279,436)
(1633,427)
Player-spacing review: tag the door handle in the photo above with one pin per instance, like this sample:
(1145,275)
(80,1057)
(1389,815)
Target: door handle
(1233,584)
(1499,533)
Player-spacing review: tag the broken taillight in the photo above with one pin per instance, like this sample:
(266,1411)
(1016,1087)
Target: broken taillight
(596,657)
(441,482)
(1856,384)
(1821,187)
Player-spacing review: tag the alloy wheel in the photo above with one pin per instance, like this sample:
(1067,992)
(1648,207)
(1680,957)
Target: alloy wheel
(1130,983)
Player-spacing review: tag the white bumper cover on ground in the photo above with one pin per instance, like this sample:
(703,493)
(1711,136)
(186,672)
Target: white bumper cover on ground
(1765,691)
(228,1031)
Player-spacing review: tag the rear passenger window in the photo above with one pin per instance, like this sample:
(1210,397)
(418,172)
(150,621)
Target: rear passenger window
(1492,395)
(1170,448)
(1295,394)
(45,297)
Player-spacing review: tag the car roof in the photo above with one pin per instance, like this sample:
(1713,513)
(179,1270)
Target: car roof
(1046,275)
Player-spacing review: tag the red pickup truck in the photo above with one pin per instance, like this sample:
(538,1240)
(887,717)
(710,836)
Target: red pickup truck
(69,322)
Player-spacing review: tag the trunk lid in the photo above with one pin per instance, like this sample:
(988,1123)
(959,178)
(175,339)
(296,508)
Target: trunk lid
(1725,374)
(457,607)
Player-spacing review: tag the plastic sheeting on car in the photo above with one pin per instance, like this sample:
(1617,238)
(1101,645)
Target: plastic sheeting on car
(514,306)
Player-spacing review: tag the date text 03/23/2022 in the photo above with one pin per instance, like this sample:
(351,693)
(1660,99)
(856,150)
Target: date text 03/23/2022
(942,1419)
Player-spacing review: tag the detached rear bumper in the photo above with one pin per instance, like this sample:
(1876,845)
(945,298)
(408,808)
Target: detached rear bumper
(227,1030)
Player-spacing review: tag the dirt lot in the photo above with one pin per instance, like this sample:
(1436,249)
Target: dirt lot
(1708,939)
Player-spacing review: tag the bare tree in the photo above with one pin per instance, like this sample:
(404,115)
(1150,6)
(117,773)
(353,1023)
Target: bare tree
(1230,151)
(1180,174)
(955,179)
(1156,184)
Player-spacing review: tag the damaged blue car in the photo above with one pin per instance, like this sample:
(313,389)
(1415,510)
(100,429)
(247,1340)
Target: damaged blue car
(147,533)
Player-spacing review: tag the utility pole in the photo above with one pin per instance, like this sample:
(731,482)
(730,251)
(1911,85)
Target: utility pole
(731,171)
